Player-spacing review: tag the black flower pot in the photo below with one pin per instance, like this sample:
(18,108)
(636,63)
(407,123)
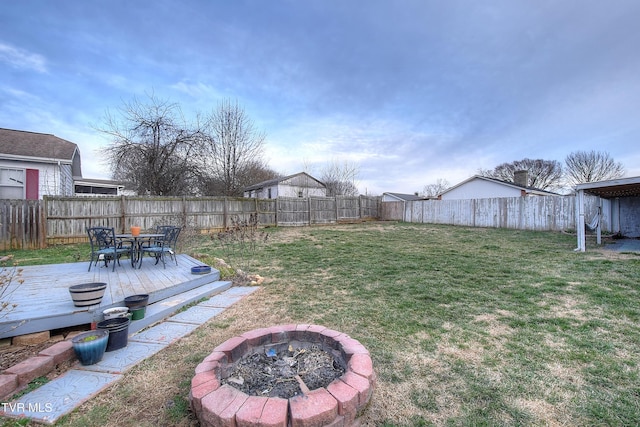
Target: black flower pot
(118,332)
(136,301)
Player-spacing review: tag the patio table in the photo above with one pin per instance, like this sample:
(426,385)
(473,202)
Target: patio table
(137,242)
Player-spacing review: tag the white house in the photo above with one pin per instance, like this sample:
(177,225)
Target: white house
(33,165)
(297,185)
(482,187)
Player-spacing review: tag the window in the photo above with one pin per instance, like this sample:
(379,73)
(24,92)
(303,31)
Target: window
(12,183)
(300,194)
(269,191)
(90,189)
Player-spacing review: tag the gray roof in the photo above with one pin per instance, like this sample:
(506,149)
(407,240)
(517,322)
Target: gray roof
(275,181)
(622,187)
(532,190)
(406,197)
(23,144)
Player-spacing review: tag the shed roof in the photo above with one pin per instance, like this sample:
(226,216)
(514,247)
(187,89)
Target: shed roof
(406,197)
(531,190)
(623,187)
(20,144)
(275,181)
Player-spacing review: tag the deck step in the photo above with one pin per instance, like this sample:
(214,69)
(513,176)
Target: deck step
(160,309)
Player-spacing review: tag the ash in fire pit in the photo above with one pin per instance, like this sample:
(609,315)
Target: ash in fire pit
(285,373)
(327,375)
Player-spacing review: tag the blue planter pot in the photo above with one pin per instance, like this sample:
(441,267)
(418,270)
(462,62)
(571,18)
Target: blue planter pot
(201,269)
(90,346)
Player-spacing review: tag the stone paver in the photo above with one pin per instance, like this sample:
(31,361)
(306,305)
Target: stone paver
(62,395)
(197,315)
(164,333)
(119,361)
(229,297)
(59,397)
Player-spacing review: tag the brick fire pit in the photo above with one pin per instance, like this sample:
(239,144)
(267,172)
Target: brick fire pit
(338,404)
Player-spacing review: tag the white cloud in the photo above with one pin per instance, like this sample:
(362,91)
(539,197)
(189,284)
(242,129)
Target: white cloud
(19,58)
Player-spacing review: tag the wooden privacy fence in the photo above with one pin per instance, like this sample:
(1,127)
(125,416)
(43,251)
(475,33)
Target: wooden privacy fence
(31,224)
(21,224)
(35,223)
(542,213)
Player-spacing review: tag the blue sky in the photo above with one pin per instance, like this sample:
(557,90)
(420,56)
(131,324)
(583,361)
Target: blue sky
(411,91)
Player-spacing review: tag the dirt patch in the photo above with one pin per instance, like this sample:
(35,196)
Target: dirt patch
(13,354)
(284,374)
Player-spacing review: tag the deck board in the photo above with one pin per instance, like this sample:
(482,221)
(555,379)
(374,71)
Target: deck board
(43,298)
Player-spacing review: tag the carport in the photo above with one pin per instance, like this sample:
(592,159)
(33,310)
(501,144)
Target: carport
(624,205)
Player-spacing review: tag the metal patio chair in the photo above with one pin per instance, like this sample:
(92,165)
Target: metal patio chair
(160,248)
(105,247)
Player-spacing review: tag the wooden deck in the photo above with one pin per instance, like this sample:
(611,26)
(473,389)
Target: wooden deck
(43,300)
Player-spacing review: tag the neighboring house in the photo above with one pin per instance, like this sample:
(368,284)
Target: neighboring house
(33,165)
(399,197)
(86,187)
(482,187)
(297,185)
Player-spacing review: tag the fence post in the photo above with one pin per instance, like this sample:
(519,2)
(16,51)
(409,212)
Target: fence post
(184,212)
(43,224)
(123,214)
(225,213)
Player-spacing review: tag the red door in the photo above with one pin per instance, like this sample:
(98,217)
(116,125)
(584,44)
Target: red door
(32,184)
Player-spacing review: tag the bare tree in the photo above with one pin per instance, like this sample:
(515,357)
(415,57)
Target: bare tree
(232,148)
(340,178)
(591,166)
(252,173)
(435,189)
(151,147)
(541,174)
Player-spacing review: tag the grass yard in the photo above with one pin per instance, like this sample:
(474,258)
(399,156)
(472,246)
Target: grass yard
(465,326)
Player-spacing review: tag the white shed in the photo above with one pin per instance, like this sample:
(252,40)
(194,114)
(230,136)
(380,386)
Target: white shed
(298,185)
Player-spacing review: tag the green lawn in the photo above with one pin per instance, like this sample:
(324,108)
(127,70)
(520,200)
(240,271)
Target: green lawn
(465,326)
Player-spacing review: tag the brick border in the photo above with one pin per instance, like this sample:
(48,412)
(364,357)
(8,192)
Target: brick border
(339,404)
(16,378)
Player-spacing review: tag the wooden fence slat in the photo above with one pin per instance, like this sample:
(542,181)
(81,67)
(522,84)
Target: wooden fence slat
(27,224)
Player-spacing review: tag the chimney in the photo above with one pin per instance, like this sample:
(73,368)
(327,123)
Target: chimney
(521,178)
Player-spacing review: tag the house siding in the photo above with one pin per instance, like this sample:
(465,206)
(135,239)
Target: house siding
(53,180)
(481,189)
(294,191)
(628,216)
(299,185)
